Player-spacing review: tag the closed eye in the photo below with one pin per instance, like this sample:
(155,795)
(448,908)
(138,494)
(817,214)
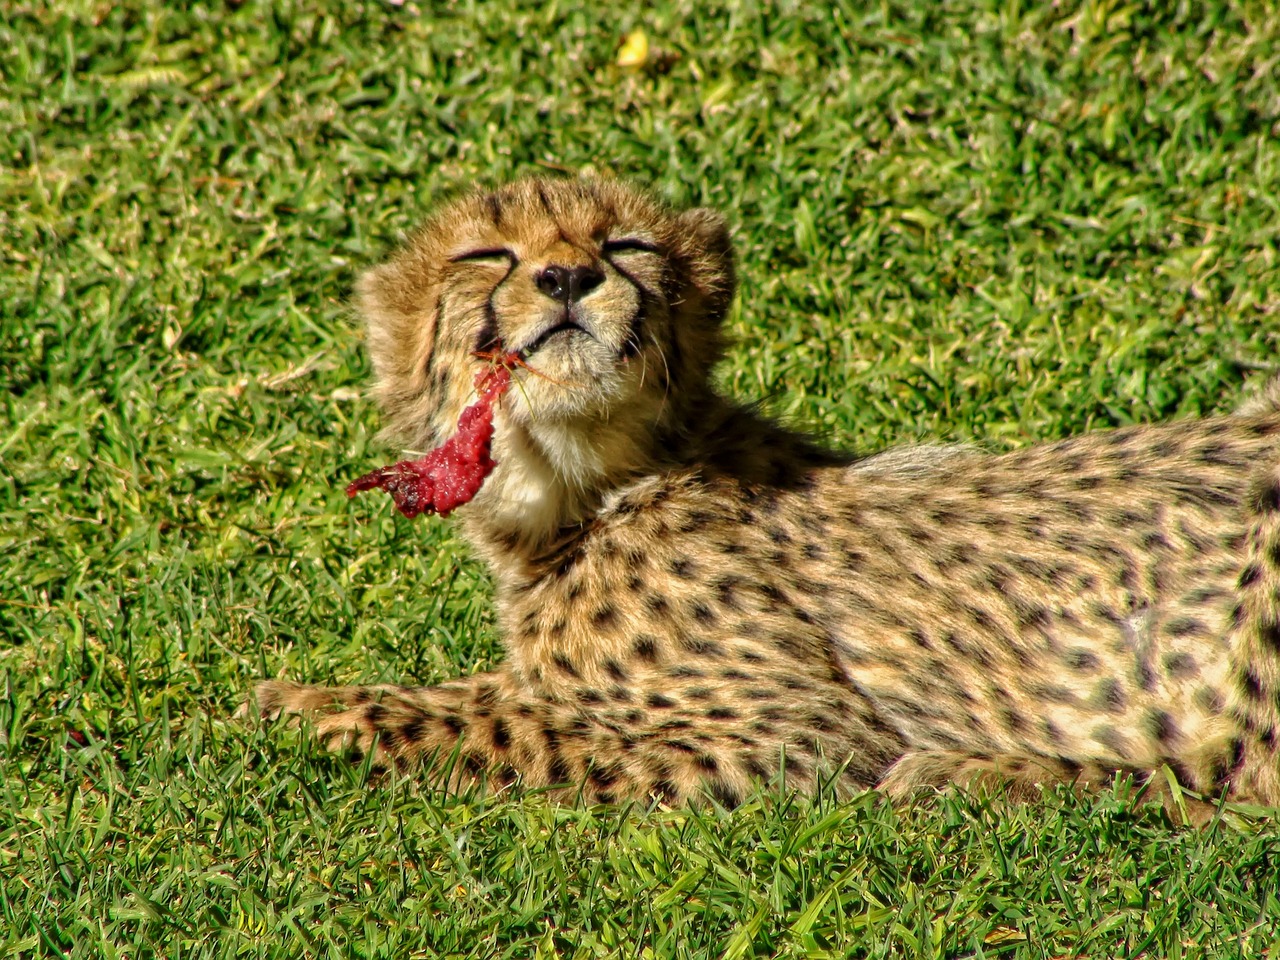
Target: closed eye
(486,253)
(629,245)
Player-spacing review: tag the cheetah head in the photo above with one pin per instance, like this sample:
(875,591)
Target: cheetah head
(615,300)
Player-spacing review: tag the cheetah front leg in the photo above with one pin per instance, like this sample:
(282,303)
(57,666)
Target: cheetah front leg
(484,730)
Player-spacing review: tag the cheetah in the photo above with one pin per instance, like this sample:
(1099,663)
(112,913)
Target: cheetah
(696,600)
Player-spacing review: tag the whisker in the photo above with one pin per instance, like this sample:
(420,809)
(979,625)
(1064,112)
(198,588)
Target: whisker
(666,392)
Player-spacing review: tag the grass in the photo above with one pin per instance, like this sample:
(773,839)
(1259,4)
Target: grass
(998,221)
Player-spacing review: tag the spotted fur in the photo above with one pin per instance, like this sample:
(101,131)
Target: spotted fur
(695,599)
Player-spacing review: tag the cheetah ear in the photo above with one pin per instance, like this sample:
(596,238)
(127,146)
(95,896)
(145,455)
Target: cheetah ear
(709,250)
(708,232)
(400,326)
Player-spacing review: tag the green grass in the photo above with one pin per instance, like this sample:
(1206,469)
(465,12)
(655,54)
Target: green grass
(1000,221)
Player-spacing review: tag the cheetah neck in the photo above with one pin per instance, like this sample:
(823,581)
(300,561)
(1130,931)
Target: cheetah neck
(552,479)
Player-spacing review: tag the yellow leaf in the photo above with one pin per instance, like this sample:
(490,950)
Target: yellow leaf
(634,52)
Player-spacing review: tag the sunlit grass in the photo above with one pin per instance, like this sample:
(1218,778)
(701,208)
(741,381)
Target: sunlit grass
(1000,222)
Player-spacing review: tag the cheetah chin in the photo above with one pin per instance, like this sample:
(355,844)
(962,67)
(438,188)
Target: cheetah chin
(695,600)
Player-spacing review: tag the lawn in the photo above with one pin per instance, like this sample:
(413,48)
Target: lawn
(990,221)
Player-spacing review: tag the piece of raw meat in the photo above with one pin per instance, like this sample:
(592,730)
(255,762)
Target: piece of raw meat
(452,473)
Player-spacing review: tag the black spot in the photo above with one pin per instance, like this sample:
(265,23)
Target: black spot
(614,669)
(822,723)
(1266,498)
(567,563)
(772,594)
(1185,627)
(412,730)
(1110,696)
(684,671)
(1249,575)
(1180,665)
(1013,720)
(680,746)
(634,716)
(1269,634)
(1154,540)
(1110,738)
(603,776)
(696,520)
(700,646)
(1209,700)
(683,568)
(724,794)
(702,613)
(646,648)
(721,713)
(665,791)
(635,584)
(455,724)
(557,770)
(1053,693)
(793,646)
(725,592)
(590,697)
(564,664)
(1160,724)
(659,701)
(1145,676)
(501,738)
(980,618)
(657,604)
(1251,684)
(1104,611)
(706,762)
(604,617)
(1032,615)
(1237,614)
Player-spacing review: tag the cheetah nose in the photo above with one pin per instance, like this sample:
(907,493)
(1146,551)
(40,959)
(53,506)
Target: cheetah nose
(569,285)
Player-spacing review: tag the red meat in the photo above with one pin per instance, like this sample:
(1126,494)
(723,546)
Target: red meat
(452,473)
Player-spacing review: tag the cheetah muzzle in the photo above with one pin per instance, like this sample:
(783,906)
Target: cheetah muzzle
(695,599)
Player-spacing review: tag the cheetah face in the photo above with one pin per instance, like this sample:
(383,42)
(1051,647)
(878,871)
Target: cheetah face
(613,300)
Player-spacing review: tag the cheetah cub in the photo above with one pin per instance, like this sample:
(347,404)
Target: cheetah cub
(695,599)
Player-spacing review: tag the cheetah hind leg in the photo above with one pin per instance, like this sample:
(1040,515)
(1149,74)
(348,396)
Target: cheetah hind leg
(1023,780)
(342,718)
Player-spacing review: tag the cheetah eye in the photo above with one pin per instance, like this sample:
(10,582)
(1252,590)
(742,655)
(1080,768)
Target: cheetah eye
(485,253)
(629,245)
